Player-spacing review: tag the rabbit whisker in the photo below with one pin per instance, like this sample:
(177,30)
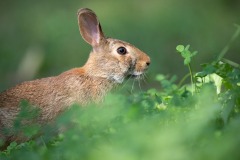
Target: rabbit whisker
(139,83)
(126,82)
(145,75)
(133,85)
(145,78)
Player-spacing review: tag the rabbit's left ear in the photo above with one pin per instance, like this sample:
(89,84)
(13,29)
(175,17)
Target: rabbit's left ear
(90,27)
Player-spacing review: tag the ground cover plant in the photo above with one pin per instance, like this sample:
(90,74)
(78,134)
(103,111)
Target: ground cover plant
(199,120)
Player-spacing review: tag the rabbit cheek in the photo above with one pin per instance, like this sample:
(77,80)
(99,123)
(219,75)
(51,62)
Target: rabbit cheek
(126,65)
(130,61)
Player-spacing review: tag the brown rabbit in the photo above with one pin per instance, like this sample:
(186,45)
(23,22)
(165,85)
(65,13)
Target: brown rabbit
(109,63)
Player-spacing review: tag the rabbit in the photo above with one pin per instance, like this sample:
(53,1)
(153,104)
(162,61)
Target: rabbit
(109,63)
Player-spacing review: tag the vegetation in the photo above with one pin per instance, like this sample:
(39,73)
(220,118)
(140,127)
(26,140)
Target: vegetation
(189,111)
(46,35)
(179,121)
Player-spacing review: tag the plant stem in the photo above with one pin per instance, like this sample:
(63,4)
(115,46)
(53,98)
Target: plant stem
(226,48)
(191,75)
(230,62)
(183,79)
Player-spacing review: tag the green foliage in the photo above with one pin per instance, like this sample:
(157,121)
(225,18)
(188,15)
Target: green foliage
(49,31)
(149,125)
(158,124)
(185,53)
(25,123)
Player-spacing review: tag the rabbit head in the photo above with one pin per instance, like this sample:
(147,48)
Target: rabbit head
(110,58)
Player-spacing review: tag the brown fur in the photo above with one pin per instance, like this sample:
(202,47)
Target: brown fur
(104,69)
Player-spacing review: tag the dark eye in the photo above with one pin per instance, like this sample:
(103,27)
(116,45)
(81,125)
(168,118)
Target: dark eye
(122,50)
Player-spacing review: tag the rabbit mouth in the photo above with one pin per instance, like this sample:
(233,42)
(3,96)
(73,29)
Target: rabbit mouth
(135,74)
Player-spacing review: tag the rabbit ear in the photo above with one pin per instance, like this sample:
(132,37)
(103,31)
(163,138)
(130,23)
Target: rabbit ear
(90,27)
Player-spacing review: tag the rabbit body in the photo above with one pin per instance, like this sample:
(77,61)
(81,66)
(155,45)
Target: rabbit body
(109,63)
(53,94)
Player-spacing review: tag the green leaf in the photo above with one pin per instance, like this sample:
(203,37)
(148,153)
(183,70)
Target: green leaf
(185,54)
(160,77)
(194,53)
(187,47)
(187,61)
(159,100)
(180,48)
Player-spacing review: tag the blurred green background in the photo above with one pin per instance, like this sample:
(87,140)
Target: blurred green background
(41,38)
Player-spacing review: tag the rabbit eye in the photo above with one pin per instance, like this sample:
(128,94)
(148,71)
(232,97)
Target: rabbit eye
(122,50)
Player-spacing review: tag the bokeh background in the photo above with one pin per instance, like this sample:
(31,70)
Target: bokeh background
(41,38)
